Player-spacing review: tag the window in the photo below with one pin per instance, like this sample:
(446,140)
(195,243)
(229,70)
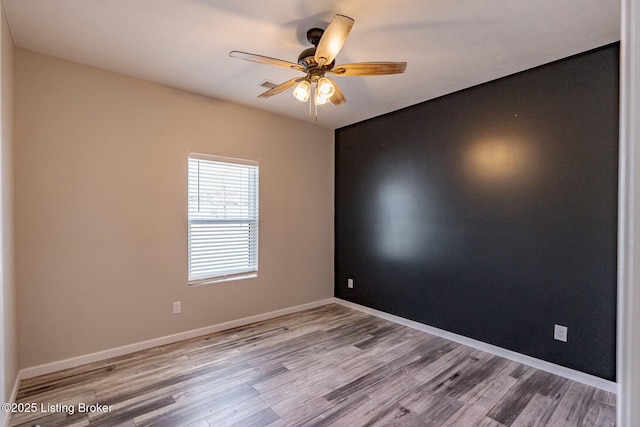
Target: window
(223,218)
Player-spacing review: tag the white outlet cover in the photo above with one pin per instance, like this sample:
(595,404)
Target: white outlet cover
(177,307)
(350,283)
(560,333)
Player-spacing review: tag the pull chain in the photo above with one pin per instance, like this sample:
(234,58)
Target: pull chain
(314,100)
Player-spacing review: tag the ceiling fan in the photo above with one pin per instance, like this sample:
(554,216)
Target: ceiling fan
(319,60)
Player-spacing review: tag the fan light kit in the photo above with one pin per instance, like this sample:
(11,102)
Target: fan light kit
(319,60)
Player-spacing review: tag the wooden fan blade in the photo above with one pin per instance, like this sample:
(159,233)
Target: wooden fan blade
(338,97)
(264,60)
(281,87)
(333,39)
(369,68)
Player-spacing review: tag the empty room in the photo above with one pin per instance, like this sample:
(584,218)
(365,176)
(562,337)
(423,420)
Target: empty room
(293,213)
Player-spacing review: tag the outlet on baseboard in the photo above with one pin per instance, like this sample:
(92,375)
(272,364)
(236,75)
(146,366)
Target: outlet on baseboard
(177,307)
(560,333)
(350,283)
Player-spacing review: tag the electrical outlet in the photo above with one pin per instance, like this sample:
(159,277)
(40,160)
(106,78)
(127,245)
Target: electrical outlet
(560,333)
(177,307)
(350,283)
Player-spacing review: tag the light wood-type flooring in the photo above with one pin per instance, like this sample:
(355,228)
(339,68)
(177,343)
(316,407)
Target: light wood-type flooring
(328,366)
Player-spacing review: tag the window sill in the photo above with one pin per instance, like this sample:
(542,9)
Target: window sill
(212,281)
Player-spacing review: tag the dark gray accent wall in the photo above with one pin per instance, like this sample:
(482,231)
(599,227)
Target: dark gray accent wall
(492,212)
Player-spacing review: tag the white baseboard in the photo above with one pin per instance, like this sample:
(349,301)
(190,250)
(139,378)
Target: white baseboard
(562,371)
(131,348)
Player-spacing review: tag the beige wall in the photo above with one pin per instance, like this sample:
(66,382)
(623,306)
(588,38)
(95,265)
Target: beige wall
(8,330)
(101,244)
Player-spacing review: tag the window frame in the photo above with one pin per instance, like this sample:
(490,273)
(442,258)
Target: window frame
(253,250)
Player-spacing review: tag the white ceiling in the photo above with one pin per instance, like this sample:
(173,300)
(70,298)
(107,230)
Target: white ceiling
(448,44)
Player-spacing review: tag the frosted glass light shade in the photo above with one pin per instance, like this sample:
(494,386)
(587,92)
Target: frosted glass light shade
(302,91)
(325,88)
(321,100)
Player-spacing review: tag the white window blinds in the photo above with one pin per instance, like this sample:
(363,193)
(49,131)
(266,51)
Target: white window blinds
(223,218)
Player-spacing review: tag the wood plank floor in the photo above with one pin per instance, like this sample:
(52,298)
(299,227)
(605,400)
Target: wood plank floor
(329,366)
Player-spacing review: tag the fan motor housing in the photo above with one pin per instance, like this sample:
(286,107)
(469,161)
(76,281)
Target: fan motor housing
(306,58)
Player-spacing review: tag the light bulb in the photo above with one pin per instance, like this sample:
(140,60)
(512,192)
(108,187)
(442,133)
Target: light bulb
(302,91)
(320,99)
(325,88)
